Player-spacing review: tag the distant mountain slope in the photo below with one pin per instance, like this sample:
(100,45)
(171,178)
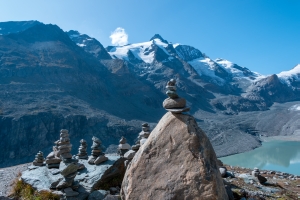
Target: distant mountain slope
(15,27)
(51,79)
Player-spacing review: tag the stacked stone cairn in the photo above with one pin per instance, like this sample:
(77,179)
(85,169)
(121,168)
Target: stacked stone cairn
(39,159)
(53,159)
(137,146)
(256,174)
(174,103)
(145,133)
(68,168)
(82,154)
(123,146)
(97,156)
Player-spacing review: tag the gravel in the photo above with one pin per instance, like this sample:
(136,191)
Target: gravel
(7,177)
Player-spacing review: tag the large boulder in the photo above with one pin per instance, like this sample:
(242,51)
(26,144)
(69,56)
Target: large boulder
(176,162)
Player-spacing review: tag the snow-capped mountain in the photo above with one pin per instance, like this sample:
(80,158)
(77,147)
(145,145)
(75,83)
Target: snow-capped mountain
(291,77)
(50,79)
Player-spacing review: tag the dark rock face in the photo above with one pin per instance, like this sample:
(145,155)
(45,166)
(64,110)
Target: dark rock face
(90,45)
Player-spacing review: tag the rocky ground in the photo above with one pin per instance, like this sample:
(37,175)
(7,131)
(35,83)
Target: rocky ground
(7,177)
(279,185)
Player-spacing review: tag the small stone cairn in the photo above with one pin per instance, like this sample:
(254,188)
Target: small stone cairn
(137,146)
(123,146)
(174,103)
(145,133)
(256,174)
(97,155)
(82,154)
(53,159)
(39,159)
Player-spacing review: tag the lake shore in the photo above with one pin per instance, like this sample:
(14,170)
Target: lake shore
(281,138)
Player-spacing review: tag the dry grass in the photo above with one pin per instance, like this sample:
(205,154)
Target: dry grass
(25,191)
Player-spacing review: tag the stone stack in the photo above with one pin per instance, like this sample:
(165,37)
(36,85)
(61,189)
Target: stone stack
(256,174)
(145,133)
(82,154)
(174,103)
(68,168)
(53,159)
(137,146)
(123,146)
(97,155)
(39,159)
(64,149)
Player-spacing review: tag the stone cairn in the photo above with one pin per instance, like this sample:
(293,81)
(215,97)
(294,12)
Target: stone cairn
(39,159)
(82,154)
(97,155)
(68,168)
(137,146)
(145,133)
(123,146)
(174,103)
(256,174)
(53,159)
(64,146)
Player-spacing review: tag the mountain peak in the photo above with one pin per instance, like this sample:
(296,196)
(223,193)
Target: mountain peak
(157,36)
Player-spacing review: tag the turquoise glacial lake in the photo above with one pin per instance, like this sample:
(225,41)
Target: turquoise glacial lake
(281,156)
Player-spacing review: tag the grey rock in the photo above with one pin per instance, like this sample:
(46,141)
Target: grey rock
(112,197)
(40,178)
(100,159)
(89,178)
(223,171)
(98,195)
(125,146)
(129,154)
(174,103)
(67,169)
(70,193)
(261,179)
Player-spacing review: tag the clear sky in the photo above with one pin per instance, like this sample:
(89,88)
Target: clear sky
(262,35)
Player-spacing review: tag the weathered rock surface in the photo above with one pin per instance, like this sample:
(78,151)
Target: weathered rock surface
(89,178)
(176,162)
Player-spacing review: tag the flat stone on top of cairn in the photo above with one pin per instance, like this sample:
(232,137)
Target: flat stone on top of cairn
(174,103)
(97,155)
(82,154)
(39,159)
(123,146)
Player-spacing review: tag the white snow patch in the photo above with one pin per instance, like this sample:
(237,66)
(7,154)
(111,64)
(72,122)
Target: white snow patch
(205,66)
(175,45)
(287,76)
(140,50)
(295,107)
(228,66)
(81,45)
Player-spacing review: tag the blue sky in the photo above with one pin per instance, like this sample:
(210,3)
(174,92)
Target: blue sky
(262,35)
